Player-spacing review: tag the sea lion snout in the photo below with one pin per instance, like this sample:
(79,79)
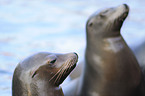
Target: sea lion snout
(73,55)
(126,6)
(121,12)
(118,17)
(65,67)
(73,58)
(125,9)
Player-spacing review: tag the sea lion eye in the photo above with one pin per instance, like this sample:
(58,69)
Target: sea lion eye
(53,61)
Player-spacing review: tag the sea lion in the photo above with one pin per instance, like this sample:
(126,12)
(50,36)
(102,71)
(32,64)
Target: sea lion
(42,73)
(110,68)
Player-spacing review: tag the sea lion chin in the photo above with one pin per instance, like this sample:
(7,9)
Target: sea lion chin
(42,73)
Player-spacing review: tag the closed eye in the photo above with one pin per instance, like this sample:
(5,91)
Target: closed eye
(103,14)
(105,11)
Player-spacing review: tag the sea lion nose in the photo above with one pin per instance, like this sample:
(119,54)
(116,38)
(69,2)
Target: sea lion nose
(76,54)
(126,6)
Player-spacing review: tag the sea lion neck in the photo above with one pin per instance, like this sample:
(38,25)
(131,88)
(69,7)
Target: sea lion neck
(98,40)
(44,88)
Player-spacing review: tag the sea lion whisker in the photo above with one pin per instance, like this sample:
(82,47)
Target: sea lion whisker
(59,74)
(64,69)
(67,65)
(55,74)
(70,64)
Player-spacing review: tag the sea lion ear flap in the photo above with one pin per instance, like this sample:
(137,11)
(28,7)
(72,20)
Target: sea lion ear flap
(34,72)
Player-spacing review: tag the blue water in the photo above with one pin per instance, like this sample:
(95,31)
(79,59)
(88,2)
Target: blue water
(27,27)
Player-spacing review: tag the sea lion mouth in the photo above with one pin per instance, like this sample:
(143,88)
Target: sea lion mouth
(123,16)
(119,21)
(64,70)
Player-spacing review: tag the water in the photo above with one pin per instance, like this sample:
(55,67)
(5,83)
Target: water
(27,27)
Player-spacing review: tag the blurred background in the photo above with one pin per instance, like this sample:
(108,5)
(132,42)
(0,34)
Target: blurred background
(30,26)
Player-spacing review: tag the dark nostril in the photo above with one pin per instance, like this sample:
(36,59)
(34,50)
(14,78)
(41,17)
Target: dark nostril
(126,6)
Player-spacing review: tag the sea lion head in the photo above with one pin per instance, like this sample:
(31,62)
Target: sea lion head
(107,22)
(44,71)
